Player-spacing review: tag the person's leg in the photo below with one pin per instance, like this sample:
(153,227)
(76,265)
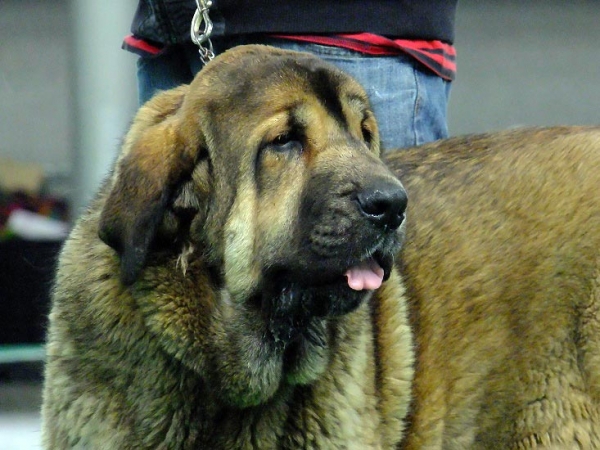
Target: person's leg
(431,108)
(162,72)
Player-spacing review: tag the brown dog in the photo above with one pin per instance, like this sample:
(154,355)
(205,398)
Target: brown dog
(502,269)
(223,290)
(218,293)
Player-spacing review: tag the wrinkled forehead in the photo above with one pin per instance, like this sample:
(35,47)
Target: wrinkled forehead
(260,80)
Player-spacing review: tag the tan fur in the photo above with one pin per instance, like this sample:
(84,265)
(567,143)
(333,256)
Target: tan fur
(167,338)
(501,265)
(164,337)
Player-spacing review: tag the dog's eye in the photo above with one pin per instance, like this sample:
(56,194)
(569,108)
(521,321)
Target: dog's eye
(286,142)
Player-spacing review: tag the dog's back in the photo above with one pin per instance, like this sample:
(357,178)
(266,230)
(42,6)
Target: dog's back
(503,271)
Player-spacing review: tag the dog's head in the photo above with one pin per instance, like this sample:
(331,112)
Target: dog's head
(267,165)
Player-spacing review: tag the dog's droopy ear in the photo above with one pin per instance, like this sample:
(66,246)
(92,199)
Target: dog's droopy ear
(157,156)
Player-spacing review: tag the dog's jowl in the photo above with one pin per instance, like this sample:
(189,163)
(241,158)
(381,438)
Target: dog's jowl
(239,279)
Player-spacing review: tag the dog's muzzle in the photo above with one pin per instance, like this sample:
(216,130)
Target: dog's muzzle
(383,203)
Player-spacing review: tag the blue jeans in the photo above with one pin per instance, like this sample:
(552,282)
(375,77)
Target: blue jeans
(408,100)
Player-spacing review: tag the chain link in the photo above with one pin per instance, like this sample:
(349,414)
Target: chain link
(201,29)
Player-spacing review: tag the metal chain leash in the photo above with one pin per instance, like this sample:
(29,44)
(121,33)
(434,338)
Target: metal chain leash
(201,37)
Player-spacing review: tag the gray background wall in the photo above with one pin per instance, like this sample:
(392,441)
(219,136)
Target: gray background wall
(526,63)
(519,63)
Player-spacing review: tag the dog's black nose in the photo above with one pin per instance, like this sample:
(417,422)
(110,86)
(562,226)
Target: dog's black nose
(383,203)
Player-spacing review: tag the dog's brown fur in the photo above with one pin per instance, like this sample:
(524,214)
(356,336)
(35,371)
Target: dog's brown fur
(223,320)
(179,334)
(502,269)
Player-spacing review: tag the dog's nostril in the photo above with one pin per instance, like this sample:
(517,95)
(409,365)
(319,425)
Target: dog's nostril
(383,203)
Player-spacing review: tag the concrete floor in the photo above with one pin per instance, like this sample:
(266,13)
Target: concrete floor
(19,415)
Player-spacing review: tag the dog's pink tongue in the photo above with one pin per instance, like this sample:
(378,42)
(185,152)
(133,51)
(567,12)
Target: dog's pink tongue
(369,275)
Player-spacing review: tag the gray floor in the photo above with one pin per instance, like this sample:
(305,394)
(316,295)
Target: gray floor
(19,415)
